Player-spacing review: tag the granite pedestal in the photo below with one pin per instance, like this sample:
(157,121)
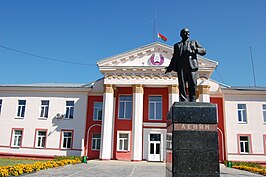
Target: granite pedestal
(192,140)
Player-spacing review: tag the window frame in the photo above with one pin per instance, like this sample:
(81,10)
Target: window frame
(21,110)
(1,103)
(155,104)
(12,141)
(124,113)
(96,119)
(118,141)
(63,138)
(97,140)
(45,108)
(243,114)
(68,110)
(249,143)
(37,138)
(264,113)
(264,143)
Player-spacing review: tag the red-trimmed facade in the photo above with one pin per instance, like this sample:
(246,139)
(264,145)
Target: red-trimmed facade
(12,134)
(249,142)
(92,127)
(62,136)
(125,125)
(132,73)
(35,137)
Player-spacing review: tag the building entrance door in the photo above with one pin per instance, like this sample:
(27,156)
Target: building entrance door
(154,147)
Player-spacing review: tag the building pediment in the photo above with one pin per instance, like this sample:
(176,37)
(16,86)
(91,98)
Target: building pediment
(155,54)
(148,60)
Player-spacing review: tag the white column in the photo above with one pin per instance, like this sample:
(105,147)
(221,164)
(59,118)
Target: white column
(113,127)
(204,93)
(137,123)
(173,94)
(107,123)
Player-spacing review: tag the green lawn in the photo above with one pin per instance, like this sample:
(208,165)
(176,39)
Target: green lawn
(14,161)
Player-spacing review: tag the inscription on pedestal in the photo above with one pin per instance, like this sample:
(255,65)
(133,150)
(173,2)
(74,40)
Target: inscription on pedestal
(195,127)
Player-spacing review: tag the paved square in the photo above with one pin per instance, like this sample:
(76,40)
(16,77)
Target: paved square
(96,168)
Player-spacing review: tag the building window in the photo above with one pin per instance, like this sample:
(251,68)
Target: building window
(169,141)
(264,112)
(155,107)
(123,141)
(44,108)
(0,106)
(244,144)
(69,109)
(125,107)
(21,108)
(97,110)
(242,113)
(96,141)
(17,138)
(67,139)
(41,138)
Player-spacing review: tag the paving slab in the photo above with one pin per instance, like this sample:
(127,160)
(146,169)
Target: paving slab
(97,168)
(231,172)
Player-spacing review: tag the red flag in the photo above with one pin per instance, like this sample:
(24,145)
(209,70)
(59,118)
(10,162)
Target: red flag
(162,37)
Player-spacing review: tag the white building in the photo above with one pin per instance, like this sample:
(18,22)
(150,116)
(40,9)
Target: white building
(42,120)
(245,123)
(123,115)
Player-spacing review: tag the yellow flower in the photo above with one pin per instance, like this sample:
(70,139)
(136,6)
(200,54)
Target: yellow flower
(28,168)
(251,169)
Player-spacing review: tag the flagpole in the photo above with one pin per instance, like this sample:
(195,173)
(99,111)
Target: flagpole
(154,28)
(154,22)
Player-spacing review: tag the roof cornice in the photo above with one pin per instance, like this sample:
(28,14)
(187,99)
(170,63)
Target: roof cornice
(44,89)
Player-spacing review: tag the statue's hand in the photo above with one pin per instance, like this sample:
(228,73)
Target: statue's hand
(167,70)
(194,48)
(190,52)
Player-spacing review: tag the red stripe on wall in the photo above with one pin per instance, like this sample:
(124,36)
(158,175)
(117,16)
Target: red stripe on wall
(122,125)
(92,127)
(3,154)
(221,134)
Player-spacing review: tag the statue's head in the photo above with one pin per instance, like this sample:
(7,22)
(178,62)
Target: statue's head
(184,33)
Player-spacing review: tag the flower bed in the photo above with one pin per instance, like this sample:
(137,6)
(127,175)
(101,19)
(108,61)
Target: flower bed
(28,168)
(251,169)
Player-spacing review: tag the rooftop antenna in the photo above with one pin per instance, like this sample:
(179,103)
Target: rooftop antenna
(253,69)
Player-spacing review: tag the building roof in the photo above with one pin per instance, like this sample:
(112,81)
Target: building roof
(222,85)
(248,88)
(50,85)
(244,90)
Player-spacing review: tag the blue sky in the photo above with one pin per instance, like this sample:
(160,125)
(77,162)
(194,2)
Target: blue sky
(87,31)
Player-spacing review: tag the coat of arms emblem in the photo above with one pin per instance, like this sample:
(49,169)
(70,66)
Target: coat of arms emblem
(157,59)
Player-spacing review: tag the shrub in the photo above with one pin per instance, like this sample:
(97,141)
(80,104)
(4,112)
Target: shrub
(226,163)
(67,157)
(248,164)
(28,168)
(251,169)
